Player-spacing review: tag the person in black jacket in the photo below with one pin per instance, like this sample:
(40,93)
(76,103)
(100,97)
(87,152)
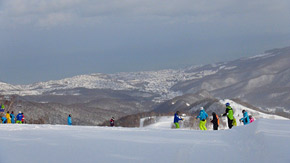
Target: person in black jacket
(214,121)
(112,121)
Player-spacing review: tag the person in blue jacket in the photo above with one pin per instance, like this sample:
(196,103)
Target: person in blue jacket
(4,120)
(177,119)
(202,118)
(245,119)
(69,122)
(12,117)
(19,118)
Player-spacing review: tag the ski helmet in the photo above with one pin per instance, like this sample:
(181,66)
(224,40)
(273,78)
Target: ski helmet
(227,104)
(201,108)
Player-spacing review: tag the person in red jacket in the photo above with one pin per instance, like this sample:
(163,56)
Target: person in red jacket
(22,120)
(112,121)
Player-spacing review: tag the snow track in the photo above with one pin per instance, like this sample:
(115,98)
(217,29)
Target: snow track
(264,140)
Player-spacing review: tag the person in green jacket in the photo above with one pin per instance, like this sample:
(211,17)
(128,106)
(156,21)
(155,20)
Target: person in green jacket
(2,108)
(230,114)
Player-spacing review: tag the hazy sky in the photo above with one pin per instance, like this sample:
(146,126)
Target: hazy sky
(44,40)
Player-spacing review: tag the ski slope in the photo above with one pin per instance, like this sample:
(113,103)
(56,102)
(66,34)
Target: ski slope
(265,140)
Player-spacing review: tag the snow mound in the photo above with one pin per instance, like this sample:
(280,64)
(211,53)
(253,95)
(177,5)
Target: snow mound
(264,140)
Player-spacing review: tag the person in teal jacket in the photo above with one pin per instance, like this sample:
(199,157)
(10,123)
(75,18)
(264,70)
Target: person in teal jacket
(245,119)
(69,122)
(4,120)
(12,117)
(202,119)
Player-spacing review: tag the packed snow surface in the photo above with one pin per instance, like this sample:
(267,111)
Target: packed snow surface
(264,140)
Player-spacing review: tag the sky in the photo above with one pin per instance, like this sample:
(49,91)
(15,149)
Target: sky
(44,40)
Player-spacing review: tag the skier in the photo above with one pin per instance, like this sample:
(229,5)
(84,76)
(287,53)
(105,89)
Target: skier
(19,118)
(215,121)
(2,108)
(245,119)
(12,116)
(112,121)
(8,117)
(251,119)
(4,120)
(176,119)
(23,118)
(230,114)
(69,120)
(202,118)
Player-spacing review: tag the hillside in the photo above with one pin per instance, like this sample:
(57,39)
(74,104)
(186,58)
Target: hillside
(255,79)
(261,81)
(262,141)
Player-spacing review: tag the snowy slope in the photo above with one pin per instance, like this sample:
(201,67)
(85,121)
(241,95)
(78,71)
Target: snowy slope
(256,114)
(164,122)
(262,141)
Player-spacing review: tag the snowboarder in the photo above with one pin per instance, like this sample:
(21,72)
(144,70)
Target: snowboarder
(69,122)
(245,119)
(19,118)
(12,116)
(202,118)
(230,114)
(112,121)
(4,120)
(8,117)
(177,119)
(251,119)
(215,121)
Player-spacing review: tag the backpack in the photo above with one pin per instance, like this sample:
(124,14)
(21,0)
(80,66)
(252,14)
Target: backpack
(218,120)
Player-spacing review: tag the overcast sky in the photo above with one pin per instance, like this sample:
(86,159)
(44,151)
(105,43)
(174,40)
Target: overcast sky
(44,40)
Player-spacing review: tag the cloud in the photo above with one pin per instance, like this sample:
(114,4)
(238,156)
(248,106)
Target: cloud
(54,13)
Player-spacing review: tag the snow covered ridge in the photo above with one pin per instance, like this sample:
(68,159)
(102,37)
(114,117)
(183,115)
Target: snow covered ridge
(264,141)
(158,82)
(260,56)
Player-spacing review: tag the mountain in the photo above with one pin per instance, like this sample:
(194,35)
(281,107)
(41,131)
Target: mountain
(262,81)
(191,103)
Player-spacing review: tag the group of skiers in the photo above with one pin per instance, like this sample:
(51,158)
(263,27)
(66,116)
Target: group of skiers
(10,118)
(215,121)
